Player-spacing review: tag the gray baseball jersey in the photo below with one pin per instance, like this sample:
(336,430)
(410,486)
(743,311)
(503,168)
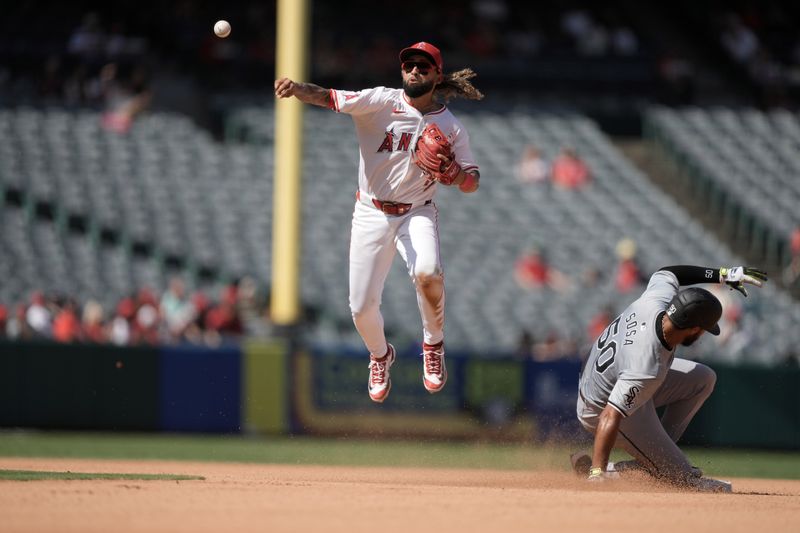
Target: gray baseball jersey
(628,362)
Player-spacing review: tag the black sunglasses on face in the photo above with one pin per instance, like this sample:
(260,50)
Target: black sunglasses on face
(422,66)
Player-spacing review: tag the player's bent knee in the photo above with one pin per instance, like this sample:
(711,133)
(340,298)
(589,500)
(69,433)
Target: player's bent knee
(707,376)
(425,278)
(361,310)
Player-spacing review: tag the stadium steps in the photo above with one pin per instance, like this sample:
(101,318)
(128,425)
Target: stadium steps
(745,205)
(654,161)
(75,210)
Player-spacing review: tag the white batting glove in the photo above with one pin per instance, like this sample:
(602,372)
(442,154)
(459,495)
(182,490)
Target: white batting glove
(736,277)
(598,475)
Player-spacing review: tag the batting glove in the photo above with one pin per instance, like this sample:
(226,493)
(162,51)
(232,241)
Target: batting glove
(736,277)
(598,475)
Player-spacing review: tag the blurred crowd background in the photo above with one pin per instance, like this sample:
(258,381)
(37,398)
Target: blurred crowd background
(609,62)
(611,56)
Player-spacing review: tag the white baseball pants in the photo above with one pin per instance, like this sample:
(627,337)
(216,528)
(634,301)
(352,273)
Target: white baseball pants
(374,239)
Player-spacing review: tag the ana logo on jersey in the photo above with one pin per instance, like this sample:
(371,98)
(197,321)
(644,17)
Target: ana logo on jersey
(388,142)
(630,398)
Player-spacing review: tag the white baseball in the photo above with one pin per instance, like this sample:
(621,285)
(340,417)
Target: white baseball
(222,28)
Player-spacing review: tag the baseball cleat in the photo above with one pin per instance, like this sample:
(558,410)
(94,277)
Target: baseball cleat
(707,484)
(380,382)
(581,463)
(433,367)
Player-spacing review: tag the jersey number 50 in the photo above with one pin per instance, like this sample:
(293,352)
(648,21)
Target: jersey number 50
(608,348)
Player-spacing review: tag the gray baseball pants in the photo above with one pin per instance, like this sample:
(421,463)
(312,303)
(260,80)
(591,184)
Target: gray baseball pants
(652,441)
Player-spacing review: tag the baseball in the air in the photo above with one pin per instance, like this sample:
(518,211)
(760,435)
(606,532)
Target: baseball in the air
(222,28)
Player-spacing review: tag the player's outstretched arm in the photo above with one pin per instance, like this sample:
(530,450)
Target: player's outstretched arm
(734,277)
(307,93)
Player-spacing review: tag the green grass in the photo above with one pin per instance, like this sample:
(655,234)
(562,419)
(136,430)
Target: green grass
(34,475)
(358,452)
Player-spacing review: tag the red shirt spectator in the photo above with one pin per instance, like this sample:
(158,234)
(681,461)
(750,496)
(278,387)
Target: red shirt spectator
(66,326)
(569,172)
(628,276)
(3,320)
(531,270)
(598,323)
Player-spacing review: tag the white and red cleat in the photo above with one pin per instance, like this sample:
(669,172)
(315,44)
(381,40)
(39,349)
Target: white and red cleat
(380,382)
(433,367)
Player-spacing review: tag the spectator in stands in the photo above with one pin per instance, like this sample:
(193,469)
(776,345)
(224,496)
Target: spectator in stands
(66,326)
(121,325)
(792,271)
(176,309)
(628,275)
(38,316)
(93,328)
(224,317)
(124,99)
(3,320)
(17,327)
(569,171)
(532,168)
(195,331)
(87,40)
(599,322)
(739,40)
(532,271)
(147,319)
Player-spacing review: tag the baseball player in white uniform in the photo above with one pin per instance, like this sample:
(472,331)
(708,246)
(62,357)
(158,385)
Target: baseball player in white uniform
(394,209)
(632,370)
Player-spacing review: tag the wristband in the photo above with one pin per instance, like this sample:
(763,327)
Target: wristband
(470,182)
(595,471)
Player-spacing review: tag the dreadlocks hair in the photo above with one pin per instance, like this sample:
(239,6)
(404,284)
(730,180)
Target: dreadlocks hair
(458,84)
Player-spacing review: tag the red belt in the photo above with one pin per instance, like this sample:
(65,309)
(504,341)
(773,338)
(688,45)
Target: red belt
(390,208)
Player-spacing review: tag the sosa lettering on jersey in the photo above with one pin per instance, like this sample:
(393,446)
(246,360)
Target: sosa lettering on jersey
(388,142)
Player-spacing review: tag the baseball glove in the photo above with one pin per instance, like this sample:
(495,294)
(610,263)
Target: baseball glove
(434,155)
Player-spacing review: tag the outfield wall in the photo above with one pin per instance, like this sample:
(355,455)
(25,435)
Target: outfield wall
(259,387)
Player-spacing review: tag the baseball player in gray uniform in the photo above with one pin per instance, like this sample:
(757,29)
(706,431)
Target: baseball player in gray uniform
(632,370)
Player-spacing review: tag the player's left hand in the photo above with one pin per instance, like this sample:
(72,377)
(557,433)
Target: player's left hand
(736,277)
(434,155)
(598,475)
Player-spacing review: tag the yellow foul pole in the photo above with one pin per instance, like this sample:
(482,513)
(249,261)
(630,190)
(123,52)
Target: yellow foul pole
(291,62)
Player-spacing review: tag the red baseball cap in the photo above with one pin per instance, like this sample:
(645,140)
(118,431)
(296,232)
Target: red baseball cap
(426,49)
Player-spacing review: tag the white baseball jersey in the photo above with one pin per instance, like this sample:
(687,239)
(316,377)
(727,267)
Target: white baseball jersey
(629,361)
(388,127)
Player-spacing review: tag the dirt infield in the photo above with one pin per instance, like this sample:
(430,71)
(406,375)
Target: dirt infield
(257,497)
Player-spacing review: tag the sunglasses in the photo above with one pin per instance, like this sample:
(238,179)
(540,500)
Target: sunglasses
(422,66)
